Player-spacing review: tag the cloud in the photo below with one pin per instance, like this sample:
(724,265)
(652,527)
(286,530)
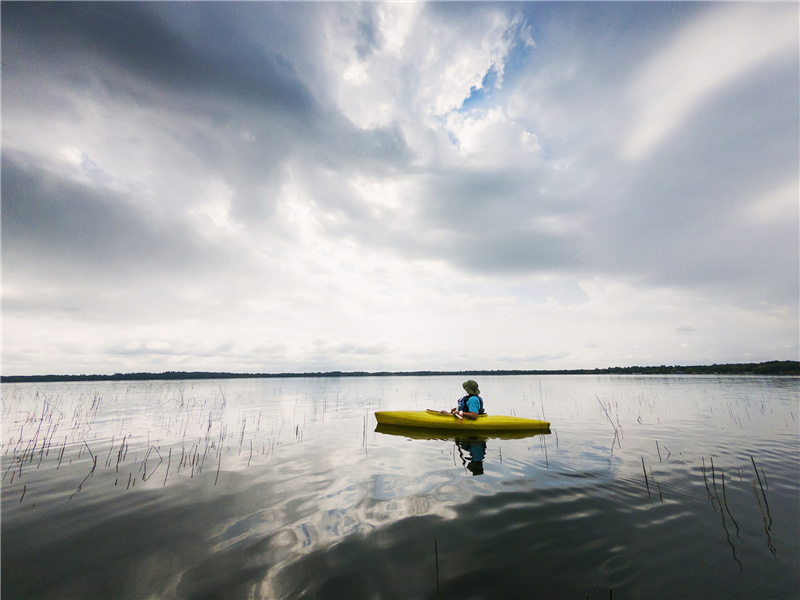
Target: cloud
(489,139)
(706,56)
(65,229)
(432,60)
(139,42)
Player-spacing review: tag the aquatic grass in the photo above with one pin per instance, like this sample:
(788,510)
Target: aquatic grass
(45,419)
(771,547)
(94,467)
(725,499)
(705,480)
(145,476)
(762,489)
(766,515)
(169,460)
(436,554)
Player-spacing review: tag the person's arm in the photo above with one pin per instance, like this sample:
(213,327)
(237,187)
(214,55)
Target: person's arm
(470,415)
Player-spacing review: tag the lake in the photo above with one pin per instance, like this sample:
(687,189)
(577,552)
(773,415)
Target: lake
(645,487)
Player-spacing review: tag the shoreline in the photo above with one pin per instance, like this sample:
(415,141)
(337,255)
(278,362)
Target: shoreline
(770,368)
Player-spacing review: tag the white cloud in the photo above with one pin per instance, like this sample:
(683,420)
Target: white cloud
(215,209)
(424,69)
(490,139)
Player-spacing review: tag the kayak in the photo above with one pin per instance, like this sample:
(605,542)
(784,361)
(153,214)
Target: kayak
(435,420)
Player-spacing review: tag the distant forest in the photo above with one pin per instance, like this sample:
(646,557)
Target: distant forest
(776,367)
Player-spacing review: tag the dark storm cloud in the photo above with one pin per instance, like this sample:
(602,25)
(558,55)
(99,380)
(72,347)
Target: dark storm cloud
(191,61)
(73,38)
(207,89)
(63,230)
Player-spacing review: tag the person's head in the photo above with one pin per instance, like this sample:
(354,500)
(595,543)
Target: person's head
(471,387)
(476,467)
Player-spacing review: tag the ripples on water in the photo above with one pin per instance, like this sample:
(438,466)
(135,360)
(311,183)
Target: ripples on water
(283,488)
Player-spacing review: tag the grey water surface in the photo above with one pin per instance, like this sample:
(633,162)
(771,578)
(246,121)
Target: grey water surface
(651,486)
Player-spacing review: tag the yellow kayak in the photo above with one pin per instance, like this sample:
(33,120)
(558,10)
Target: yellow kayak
(436,420)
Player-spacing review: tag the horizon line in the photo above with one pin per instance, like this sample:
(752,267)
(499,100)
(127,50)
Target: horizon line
(774,367)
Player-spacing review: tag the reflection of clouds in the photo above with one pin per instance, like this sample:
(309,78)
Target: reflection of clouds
(337,509)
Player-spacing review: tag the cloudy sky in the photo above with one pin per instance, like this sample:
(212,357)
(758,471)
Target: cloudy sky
(270,187)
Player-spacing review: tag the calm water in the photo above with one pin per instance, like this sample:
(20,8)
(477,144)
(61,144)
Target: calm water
(283,488)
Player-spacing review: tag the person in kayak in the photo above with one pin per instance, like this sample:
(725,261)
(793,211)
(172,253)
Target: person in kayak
(471,405)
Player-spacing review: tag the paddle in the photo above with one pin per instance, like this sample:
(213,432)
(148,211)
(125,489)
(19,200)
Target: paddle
(445,412)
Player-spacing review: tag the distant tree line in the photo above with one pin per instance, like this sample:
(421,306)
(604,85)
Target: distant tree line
(775,367)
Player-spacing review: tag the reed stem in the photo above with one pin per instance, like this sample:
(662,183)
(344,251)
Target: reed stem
(705,480)
(762,491)
(169,460)
(436,550)
(725,500)
(605,411)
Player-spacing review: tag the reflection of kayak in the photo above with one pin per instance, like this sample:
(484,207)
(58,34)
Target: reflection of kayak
(435,420)
(430,433)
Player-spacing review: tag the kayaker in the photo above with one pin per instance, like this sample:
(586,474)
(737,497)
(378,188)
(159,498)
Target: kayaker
(471,405)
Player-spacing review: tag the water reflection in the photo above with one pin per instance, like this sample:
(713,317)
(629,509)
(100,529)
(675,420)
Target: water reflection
(105,493)
(471,446)
(427,433)
(475,450)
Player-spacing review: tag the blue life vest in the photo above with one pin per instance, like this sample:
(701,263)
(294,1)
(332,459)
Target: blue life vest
(462,404)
